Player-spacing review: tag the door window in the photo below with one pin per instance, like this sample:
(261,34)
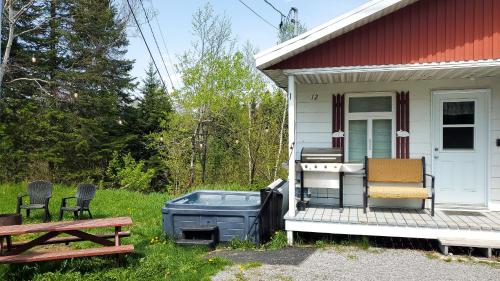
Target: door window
(458,125)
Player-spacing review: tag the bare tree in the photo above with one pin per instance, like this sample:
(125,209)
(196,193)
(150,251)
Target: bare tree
(13,17)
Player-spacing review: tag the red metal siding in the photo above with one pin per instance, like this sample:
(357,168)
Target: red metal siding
(426,31)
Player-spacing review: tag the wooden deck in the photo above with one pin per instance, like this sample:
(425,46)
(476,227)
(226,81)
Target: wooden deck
(397,223)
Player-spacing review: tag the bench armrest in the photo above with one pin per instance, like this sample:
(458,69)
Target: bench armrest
(433,179)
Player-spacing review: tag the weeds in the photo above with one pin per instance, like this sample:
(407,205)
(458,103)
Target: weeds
(463,259)
(278,241)
(362,243)
(321,244)
(352,257)
(240,276)
(237,244)
(249,265)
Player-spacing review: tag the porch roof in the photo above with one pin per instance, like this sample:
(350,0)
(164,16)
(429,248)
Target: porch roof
(360,16)
(389,73)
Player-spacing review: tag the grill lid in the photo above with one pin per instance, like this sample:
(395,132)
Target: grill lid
(321,155)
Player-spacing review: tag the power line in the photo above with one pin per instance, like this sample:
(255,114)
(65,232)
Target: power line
(262,18)
(156,43)
(147,46)
(166,49)
(272,6)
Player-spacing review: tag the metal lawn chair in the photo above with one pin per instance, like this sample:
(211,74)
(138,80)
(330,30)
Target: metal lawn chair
(84,194)
(39,193)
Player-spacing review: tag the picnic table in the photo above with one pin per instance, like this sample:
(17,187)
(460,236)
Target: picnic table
(17,252)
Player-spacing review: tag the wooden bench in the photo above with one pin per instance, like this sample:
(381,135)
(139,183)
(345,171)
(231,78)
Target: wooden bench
(69,254)
(17,252)
(397,179)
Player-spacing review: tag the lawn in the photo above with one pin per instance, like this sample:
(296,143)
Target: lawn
(155,257)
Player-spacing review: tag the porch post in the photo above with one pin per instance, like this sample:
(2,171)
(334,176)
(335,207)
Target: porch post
(292,208)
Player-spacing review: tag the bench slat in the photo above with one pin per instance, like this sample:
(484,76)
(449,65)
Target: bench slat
(64,226)
(60,255)
(392,192)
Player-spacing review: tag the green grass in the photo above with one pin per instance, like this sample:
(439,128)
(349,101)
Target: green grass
(155,257)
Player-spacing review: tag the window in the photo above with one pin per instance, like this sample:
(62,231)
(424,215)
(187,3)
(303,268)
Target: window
(458,125)
(369,122)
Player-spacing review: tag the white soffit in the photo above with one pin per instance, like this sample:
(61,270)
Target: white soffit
(391,73)
(360,16)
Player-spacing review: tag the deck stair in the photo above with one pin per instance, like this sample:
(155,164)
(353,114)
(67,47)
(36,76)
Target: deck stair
(486,246)
(199,236)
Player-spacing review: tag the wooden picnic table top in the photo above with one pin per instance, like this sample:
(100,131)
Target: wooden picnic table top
(64,226)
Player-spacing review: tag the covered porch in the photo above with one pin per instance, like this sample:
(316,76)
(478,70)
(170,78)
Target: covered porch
(314,95)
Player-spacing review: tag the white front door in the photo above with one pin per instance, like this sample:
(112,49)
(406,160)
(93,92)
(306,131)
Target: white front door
(459,152)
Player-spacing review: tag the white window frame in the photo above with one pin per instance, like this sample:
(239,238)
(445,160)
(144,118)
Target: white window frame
(474,125)
(369,117)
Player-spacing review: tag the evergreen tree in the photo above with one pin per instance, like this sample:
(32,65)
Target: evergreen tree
(96,76)
(68,89)
(155,105)
(155,109)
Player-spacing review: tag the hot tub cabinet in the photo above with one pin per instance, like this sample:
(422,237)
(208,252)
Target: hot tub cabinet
(232,212)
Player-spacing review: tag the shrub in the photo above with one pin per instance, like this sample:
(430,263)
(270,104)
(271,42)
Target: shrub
(130,174)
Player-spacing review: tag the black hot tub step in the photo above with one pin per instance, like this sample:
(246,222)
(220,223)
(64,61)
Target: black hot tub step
(199,235)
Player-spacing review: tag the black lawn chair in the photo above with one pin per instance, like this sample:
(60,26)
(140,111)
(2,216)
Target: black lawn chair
(39,193)
(84,194)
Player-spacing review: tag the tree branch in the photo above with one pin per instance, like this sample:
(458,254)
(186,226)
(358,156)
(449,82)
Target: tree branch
(36,80)
(30,30)
(28,79)
(23,10)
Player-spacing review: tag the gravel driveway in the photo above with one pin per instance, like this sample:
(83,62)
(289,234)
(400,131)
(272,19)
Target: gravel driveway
(351,264)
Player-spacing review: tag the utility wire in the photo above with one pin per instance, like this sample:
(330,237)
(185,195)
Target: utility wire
(262,18)
(156,42)
(283,17)
(166,50)
(272,6)
(147,46)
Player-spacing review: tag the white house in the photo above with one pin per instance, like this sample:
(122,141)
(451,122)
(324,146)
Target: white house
(399,79)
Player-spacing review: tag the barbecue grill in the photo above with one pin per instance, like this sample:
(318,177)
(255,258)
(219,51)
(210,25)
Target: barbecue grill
(320,168)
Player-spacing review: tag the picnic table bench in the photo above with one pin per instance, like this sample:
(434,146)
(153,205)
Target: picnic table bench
(17,252)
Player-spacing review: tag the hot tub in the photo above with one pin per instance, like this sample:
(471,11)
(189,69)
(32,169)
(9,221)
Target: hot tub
(231,211)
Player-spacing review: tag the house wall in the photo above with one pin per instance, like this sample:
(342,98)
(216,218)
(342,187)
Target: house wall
(314,125)
(423,32)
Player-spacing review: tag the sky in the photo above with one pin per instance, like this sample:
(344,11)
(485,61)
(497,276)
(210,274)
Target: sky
(174,19)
